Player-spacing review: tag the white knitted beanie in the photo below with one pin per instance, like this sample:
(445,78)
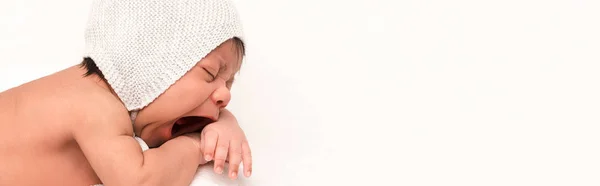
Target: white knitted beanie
(142,47)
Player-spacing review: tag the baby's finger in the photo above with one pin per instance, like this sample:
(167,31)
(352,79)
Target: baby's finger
(247,158)
(210,141)
(235,157)
(221,155)
(202,143)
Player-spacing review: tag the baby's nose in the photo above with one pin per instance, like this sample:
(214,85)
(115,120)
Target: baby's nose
(221,97)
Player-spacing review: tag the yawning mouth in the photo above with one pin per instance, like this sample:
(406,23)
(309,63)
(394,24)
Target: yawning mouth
(189,124)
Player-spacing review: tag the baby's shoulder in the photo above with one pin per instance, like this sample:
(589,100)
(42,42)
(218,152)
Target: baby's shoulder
(105,104)
(97,106)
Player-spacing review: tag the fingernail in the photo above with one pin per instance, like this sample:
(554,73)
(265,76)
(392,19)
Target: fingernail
(248,173)
(207,157)
(219,170)
(233,175)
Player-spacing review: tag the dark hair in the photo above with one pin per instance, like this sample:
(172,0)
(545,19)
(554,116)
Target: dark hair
(90,66)
(241,49)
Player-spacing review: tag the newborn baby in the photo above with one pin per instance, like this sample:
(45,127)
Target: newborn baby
(158,70)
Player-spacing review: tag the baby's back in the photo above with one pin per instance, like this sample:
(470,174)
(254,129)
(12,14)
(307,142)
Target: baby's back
(36,145)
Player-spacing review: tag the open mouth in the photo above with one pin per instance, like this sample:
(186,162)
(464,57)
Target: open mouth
(189,124)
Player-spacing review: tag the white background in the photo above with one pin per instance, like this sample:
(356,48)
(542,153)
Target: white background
(367,92)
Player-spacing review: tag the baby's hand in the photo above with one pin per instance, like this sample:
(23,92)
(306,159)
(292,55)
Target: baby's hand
(227,142)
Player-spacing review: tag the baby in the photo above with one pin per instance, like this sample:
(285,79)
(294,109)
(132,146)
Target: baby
(158,70)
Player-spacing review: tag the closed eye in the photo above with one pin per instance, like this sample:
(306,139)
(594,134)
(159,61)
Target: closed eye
(211,74)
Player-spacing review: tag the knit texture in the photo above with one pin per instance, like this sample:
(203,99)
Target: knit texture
(144,46)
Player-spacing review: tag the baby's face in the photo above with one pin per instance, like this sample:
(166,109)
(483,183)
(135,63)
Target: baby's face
(193,101)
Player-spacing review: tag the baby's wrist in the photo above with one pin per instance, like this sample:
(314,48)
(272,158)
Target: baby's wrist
(193,138)
(191,142)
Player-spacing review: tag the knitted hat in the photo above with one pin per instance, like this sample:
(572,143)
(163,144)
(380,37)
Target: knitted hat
(144,46)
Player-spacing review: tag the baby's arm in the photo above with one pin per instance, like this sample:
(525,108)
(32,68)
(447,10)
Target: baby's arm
(117,158)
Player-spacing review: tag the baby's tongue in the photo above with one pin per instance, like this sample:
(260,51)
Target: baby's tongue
(180,121)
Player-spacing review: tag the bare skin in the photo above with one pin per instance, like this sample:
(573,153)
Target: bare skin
(66,129)
(36,130)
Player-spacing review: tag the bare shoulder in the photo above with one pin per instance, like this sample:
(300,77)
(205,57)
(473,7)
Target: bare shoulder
(104,113)
(88,101)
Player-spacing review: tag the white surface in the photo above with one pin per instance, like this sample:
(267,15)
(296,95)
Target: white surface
(369,92)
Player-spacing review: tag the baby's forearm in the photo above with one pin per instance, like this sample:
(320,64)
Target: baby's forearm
(173,163)
(120,161)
